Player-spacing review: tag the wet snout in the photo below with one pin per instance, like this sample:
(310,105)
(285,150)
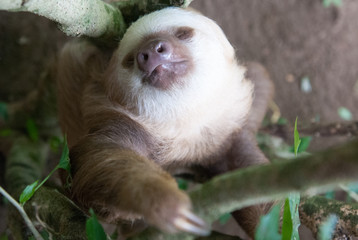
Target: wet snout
(154,54)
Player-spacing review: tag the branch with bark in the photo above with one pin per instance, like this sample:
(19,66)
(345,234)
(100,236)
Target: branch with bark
(314,174)
(106,22)
(313,211)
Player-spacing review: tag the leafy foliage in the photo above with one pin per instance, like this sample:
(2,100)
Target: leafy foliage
(94,229)
(55,143)
(297,140)
(32,130)
(304,144)
(3,237)
(282,121)
(64,163)
(182,183)
(65,159)
(294,201)
(28,192)
(269,225)
(5,132)
(287,222)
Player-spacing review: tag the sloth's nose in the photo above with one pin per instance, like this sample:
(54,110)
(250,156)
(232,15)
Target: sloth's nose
(153,54)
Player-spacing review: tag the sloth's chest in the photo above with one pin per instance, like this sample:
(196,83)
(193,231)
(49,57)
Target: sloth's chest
(191,143)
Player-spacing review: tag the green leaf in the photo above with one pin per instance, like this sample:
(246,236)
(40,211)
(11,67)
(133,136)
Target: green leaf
(269,226)
(45,235)
(3,111)
(32,130)
(115,235)
(223,219)
(287,222)
(294,199)
(55,143)
(28,192)
(182,184)
(3,236)
(63,164)
(291,220)
(282,121)
(65,158)
(328,3)
(345,114)
(327,228)
(5,132)
(297,140)
(94,229)
(304,144)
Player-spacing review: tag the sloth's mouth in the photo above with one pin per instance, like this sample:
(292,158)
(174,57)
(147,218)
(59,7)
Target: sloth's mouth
(165,75)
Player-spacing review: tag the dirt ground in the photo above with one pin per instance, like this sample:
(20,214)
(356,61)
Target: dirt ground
(293,39)
(296,39)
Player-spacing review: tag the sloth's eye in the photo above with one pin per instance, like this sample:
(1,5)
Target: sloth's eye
(128,60)
(184,33)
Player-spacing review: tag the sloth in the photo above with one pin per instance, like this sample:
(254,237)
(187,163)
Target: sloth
(172,97)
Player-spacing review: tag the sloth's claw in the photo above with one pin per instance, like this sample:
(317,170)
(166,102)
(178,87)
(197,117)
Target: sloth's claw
(188,222)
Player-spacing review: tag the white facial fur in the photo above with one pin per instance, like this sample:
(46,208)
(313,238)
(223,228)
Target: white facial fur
(195,119)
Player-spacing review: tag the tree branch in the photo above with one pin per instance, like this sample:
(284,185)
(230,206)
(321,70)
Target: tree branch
(313,212)
(258,184)
(22,213)
(314,174)
(91,18)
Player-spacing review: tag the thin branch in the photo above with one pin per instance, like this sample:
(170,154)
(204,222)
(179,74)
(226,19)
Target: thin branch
(93,18)
(22,212)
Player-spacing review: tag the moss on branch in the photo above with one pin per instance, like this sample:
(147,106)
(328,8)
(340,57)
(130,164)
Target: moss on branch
(92,18)
(313,211)
(314,174)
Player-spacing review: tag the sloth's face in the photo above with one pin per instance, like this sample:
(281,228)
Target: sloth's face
(162,59)
(165,49)
(172,57)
